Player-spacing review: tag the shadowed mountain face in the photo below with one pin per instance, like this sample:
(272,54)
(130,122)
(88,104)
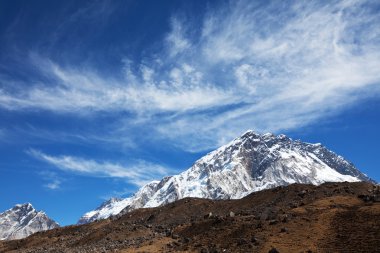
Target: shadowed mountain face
(332,217)
(22,221)
(250,163)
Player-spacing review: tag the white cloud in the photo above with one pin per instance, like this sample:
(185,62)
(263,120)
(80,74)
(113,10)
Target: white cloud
(176,39)
(56,184)
(83,91)
(140,173)
(249,69)
(53,180)
(311,61)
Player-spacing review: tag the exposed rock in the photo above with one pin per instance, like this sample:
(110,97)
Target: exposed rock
(273,250)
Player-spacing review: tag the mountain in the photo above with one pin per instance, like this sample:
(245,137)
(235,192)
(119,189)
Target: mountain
(22,221)
(251,162)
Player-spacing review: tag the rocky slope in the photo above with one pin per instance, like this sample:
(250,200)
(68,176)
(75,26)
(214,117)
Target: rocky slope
(22,221)
(251,162)
(332,217)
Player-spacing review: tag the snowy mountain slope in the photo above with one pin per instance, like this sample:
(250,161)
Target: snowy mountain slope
(22,221)
(249,163)
(115,205)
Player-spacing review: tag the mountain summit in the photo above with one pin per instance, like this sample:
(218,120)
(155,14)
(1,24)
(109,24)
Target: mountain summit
(22,221)
(251,162)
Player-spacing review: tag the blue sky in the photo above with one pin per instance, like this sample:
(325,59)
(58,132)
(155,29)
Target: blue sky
(99,97)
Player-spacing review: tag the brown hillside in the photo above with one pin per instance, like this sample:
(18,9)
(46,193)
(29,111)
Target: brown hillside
(333,217)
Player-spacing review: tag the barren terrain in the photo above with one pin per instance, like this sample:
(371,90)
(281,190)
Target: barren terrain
(333,217)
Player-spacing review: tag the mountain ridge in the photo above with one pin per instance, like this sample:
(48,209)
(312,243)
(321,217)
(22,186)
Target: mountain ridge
(249,163)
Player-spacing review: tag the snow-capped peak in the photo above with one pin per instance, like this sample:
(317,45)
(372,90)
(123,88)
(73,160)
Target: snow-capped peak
(23,220)
(249,163)
(25,207)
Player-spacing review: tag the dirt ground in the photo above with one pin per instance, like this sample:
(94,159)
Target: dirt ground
(333,217)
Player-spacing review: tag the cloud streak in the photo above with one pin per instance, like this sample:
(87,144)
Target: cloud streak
(245,69)
(74,90)
(139,174)
(53,181)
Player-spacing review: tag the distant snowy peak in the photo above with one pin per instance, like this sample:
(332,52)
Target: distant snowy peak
(251,162)
(22,221)
(116,205)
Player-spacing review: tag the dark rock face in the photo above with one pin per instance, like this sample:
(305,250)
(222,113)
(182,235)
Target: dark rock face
(22,221)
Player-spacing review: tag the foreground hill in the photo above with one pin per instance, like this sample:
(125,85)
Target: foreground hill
(332,217)
(251,162)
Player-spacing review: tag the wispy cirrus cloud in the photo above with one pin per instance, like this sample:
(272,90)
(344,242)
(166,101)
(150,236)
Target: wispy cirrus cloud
(177,41)
(241,69)
(140,173)
(53,181)
(75,90)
